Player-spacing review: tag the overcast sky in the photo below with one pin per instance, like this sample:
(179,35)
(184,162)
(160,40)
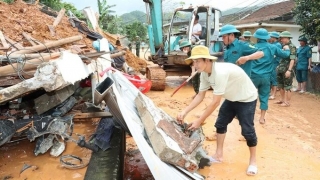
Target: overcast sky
(126,6)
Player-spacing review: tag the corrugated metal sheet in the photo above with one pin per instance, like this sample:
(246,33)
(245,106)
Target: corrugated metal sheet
(125,94)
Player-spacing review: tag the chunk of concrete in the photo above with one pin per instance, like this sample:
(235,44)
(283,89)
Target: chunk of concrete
(50,76)
(169,142)
(51,100)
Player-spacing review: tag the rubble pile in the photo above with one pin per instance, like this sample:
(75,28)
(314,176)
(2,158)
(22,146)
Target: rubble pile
(48,68)
(20,19)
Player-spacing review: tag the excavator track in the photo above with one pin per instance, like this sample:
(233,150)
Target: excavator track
(157,76)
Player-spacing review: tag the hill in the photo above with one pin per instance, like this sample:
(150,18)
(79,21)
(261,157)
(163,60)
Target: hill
(130,17)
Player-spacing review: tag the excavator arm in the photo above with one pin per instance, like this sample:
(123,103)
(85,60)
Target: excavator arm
(155,24)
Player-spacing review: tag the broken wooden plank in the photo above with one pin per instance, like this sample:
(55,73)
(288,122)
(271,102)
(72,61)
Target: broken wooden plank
(3,41)
(92,115)
(27,36)
(33,55)
(3,48)
(15,44)
(59,17)
(32,64)
(56,22)
(9,82)
(44,46)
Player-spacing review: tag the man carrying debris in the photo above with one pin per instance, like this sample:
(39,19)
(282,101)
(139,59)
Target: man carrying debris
(228,81)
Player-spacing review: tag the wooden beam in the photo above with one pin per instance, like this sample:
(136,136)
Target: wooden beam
(44,46)
(9,82)
(3,41)
(26,35)
(92,115)
(32,64)
(15,44)
(59,17)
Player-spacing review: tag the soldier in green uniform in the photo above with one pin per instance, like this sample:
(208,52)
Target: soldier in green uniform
(262,68)
(303,64)
(185,46)
(137,46)
(285,70)
(247,37)
(274,36)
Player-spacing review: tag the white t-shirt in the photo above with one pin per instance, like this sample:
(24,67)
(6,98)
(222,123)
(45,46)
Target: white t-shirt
(230,81)
(196,28)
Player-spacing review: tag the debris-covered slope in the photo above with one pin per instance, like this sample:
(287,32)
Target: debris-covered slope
(18,18)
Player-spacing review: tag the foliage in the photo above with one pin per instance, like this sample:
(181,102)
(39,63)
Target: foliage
(114,26)
(57,5)
(8,1)
(307,15)
(105,13)
(135,29)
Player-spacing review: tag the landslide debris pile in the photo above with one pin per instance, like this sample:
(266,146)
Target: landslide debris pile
(19,17)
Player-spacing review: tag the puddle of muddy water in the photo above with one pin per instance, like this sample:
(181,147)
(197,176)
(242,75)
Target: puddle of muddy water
(14,156)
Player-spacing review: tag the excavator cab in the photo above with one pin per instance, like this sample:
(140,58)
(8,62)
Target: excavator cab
(164,39)
(181,29)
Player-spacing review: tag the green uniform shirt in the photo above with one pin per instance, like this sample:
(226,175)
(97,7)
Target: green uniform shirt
(303,55)
(237,49)
(284,62)
(264,66)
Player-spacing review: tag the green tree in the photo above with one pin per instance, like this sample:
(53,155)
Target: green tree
(115,25)
(105,14)
(307,15)
(135,29)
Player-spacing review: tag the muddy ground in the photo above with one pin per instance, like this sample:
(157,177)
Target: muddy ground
(287,148)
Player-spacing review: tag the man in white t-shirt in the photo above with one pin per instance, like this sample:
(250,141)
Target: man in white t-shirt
(196,30)
(230,82)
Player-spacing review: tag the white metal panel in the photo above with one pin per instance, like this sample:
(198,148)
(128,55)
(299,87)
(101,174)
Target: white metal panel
(126,93)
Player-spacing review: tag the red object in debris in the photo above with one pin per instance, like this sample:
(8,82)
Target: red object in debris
(85,83)
(143,85)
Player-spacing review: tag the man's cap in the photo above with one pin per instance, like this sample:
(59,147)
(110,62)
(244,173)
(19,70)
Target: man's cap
(198,52)
(247,34)
(302,38)
(285,34)
(185,43)
(228,29)
(261,33)
(274,34)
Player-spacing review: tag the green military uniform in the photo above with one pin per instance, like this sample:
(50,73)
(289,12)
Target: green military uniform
(138,48)
(283,67)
